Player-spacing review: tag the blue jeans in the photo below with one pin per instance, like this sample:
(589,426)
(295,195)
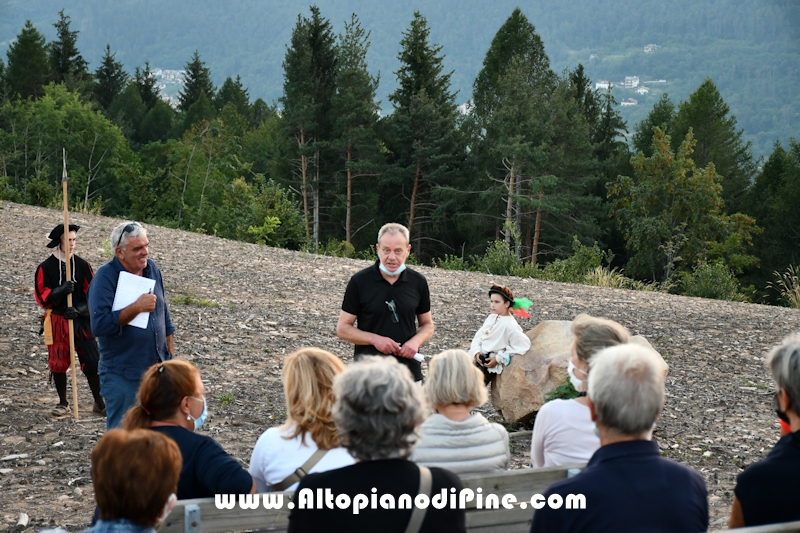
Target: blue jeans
(119,394)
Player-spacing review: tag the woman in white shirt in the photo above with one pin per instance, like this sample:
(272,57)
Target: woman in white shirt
(309,438)
(500,337)
(563,431)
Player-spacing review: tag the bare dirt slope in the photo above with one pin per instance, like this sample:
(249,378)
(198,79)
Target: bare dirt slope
(267,302)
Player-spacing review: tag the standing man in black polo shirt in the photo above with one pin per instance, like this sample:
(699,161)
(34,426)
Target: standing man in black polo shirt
(392,304)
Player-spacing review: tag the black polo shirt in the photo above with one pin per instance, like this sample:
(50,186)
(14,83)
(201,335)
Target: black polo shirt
(366,296)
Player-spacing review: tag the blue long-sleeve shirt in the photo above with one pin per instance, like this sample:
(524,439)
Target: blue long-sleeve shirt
(128,350)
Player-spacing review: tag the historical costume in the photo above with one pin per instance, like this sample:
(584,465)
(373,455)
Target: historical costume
(51,289)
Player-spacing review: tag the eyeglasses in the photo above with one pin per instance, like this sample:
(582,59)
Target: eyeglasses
(206,392)
(393,308)
(127,229)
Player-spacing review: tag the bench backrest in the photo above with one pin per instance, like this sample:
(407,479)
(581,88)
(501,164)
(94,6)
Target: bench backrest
(194,516)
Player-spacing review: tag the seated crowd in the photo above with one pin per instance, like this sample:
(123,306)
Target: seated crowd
(364,430)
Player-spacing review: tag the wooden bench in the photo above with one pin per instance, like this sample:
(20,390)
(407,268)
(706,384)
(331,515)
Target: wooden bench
(524,483)
(202,515)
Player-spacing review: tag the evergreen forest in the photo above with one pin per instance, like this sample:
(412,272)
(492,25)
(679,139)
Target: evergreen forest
(538,175)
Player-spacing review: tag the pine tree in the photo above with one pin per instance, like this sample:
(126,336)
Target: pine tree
(27,69)
(233,92)
(588,99)
(661,116)
(421,68)
(110,79)
(309,85)
(356,114)
(671,214)
(145,83)
(517,37)
(67,63)
(532,141)
(422,137)
(718,141)
(198,80)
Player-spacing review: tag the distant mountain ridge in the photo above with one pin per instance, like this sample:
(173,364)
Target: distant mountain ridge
(750,50)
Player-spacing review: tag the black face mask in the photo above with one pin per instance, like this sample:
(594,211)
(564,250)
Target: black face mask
(777,407)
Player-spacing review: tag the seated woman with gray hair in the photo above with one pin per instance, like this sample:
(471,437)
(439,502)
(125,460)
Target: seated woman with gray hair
(766,492)
(627,485)
(563,432)
(452,437)
(377,410)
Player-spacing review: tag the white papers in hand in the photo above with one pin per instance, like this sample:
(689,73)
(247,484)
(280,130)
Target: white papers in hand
(129,288)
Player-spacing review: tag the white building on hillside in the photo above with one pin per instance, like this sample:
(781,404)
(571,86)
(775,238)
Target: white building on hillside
(631,82)
(650,48)
(628,101)
(603,85)
(641,89)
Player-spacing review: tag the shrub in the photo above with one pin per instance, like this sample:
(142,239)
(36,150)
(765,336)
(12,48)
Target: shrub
(453,262)
(714,280)
(573,269)
(565,391)
(499,259)
(337,248)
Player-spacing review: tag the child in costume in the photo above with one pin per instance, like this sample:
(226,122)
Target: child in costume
(500,337)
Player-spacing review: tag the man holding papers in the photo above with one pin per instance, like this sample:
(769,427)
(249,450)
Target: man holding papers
(130,318)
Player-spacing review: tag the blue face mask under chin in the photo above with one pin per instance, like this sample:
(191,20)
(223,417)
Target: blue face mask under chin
(388,272)
(198,422)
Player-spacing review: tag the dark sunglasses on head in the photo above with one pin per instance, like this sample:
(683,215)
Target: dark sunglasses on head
(127,229)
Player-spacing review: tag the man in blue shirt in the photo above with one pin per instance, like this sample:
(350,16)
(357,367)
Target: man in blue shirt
(627,485)
(127,351)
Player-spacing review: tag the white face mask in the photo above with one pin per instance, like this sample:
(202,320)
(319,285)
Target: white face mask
(576,382)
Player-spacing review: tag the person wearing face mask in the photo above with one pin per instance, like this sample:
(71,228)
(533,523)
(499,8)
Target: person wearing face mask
(563,431)
(766,492)
(134,475)
(627,485)
(391,303)
(172,401)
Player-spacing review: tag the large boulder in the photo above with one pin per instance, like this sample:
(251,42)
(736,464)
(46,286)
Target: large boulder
(520,390)
(641,341)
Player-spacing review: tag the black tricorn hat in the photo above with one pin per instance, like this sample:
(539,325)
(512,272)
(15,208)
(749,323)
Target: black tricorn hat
(57,232)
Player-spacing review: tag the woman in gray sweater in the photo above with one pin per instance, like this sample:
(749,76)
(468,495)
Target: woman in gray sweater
(452,437)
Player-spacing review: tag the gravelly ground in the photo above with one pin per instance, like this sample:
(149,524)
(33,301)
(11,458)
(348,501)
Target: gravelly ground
(268,302)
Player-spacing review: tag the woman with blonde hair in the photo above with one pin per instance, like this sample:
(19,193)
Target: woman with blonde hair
(453,437)
(172,401)
(563,432)
(308,441)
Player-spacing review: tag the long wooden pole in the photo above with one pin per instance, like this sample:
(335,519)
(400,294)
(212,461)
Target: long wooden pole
(67,255)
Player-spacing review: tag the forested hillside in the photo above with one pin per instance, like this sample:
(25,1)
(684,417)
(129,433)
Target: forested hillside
(750,49)
(543,176)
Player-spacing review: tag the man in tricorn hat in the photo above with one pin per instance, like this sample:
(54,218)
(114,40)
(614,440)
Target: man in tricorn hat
(51,290)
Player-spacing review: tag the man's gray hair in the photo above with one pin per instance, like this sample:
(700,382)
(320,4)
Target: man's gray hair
(784,362)
(377,409)
(392,228)
(135,230)
(626,386)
